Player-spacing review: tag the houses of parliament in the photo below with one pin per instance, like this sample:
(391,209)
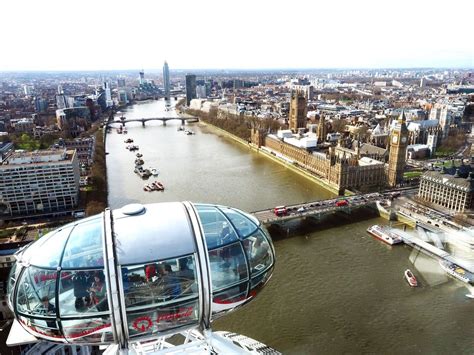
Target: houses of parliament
(339,166)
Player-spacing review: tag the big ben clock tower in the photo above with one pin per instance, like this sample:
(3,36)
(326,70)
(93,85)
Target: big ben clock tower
(398,151)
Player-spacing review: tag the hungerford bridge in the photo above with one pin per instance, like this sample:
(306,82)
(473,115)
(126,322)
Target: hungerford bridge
(123,120)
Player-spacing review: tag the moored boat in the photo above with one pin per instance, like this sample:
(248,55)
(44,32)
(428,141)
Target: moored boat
(385,235)
(159,185)
(457,272)
(139,161)
(139,155)
(154,171)
(128,140)
(411,279)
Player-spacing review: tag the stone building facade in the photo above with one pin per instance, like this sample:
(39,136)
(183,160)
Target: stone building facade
(452,192)
(340,171)
(298,110)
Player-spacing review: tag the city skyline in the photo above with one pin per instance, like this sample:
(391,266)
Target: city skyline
(203,35)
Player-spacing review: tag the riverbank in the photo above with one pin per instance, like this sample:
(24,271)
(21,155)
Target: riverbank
(300,171)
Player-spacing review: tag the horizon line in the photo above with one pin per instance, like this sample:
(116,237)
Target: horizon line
(236,69)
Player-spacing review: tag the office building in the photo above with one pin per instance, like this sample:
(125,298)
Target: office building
(190,88)
(166,80)
(108,95)
(141,78)
(447,190)
(39,182)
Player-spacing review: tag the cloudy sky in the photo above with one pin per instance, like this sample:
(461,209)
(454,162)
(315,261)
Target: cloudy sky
(243,34)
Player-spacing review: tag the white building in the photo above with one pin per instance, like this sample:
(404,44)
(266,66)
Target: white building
(39,182)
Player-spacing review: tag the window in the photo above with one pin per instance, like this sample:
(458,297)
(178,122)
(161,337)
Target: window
(36,292)
(217,230)
(82,292)
(159,282)
(84,247)
(228,266)
(258,252)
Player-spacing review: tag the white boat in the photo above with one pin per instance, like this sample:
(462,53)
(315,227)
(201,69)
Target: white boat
(457,272)
(411,279)
(470,295)
(154,171)
(385,235)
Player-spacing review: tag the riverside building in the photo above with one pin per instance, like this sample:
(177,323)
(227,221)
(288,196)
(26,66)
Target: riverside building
(39,182)
(453,192)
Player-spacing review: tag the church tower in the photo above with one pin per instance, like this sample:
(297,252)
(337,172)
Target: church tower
(298,110)
(398,151)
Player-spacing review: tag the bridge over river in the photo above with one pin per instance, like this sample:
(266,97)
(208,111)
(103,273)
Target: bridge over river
(317,208)
(123,120)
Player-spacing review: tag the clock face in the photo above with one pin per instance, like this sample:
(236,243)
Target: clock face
(395,139)
(404,139)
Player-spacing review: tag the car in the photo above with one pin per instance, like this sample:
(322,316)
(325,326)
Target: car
(301,209)
(341,203)
(280,211)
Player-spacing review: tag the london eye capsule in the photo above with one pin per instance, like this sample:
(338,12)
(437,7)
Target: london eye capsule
(139,272)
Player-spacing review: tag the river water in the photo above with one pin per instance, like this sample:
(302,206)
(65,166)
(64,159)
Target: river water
(334,289)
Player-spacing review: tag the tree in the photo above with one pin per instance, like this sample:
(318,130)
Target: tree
(338,125)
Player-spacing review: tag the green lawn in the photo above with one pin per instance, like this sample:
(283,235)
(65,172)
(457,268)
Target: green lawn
(412,174)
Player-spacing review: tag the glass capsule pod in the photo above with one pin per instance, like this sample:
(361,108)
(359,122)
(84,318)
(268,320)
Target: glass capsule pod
(139,272)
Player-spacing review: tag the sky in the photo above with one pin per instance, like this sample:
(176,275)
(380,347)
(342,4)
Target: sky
(231,34)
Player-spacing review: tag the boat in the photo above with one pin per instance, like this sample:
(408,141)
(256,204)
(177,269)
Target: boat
(144,173)
(470,295)
(119,130)
(132,147)
(457,272)
(139,161)
(138,155)
(180,128)
(189,132)
(385,235)
(147,188)
(411,279)
(128,140)
(125,130)
(159,186)
(154,171)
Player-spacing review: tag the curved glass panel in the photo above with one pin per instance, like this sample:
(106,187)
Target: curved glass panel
(235,294)
(217,230)
(42,327)
(160,319)
(228,266)
(82,292)
(35,293)
(12,277)
(92,330)
(33,248)
(51,250)
(84,247)
(241,222)
(160,282)
(259,252)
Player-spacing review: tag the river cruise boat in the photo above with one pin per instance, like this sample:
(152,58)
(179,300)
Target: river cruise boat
(457,272)
(385,235)
(411,279)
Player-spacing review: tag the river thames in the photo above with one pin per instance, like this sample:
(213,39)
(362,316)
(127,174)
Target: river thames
(334,289)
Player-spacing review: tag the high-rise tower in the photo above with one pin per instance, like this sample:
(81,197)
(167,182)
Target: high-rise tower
(190,88)
(166,80)
(141,77)
(398,151)
(298,110)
